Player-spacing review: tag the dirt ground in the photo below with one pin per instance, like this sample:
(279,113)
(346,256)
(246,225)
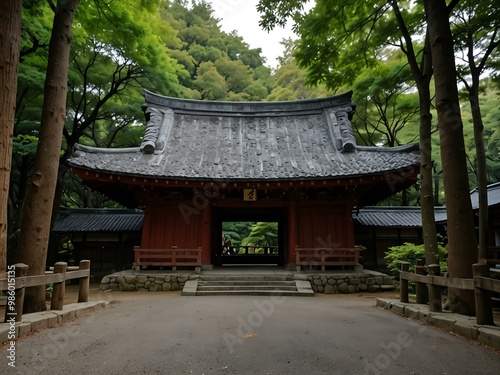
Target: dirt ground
(166,333)
(71,296)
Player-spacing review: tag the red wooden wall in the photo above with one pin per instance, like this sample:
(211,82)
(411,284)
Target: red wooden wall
(165,226)
(310,224)
(324,225)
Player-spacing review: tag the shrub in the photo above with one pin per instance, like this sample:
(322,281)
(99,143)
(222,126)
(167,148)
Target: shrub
(409,252)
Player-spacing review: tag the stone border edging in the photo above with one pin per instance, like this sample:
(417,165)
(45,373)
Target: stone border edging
(45,319)
(350,283)
(461,325)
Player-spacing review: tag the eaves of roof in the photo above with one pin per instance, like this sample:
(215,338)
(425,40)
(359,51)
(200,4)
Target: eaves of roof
(402,217)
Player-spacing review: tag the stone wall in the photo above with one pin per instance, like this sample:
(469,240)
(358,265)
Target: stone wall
(321,283)
(350,283)
(146,283)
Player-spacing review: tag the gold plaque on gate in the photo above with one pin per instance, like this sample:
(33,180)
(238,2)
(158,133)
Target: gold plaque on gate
(249,194)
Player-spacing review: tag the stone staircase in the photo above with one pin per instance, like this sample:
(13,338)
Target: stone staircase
(255,285)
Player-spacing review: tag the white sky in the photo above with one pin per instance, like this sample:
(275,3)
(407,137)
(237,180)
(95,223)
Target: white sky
(242,16)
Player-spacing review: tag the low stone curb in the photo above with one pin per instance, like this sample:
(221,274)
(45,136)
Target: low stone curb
(45,319)
(465,326)
(145,282)
(350,283)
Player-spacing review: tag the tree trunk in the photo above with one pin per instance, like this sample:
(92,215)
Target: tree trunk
(37,208)
(10,42)
(482,174)
(462,245)
(426,191)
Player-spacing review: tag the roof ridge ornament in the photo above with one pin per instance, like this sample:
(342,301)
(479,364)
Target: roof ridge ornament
(340,128)
(157,129)
(347,135)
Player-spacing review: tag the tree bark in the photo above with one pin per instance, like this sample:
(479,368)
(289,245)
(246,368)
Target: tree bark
(426,192)
(462,245)
(37,208)
(482,174)
(10,44)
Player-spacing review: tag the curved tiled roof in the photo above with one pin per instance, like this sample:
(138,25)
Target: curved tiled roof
(190,139)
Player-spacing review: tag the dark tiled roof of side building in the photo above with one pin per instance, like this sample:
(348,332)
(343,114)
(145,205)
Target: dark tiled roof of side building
(403,217)
(73,220)
(493,196)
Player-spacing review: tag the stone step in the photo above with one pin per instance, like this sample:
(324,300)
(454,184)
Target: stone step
(244,287)
(246,282)
(290,293)
(246,277)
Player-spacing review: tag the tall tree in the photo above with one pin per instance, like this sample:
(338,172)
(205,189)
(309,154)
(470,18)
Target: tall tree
(422,73)
(462,245)
(10,41)
(356,34)
(476,32)
(37,208)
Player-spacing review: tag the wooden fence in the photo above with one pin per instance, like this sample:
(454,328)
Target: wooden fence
(250,250)
(167,257)
(58,278)
(481,284)
(493,255)
(323,256)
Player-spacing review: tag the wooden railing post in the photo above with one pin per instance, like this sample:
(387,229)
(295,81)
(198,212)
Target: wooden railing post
(403,283)
(434,290)
(356,255)
(484,307)
(57,302)
(297,259)
(137,266)
(420,288)
(21,270)
(83,292)
(174,258)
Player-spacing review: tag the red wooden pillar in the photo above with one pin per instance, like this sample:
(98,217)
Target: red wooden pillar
(206,231)
(351,241)
(292,232)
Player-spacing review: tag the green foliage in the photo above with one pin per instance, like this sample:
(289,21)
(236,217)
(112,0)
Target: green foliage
(291,81)
(263,233)
(409,252)
(237,230)
(221,66)
(490,110)
(387,106)
(247,233)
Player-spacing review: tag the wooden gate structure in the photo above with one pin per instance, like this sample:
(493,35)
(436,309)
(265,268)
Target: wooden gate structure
(295,161)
